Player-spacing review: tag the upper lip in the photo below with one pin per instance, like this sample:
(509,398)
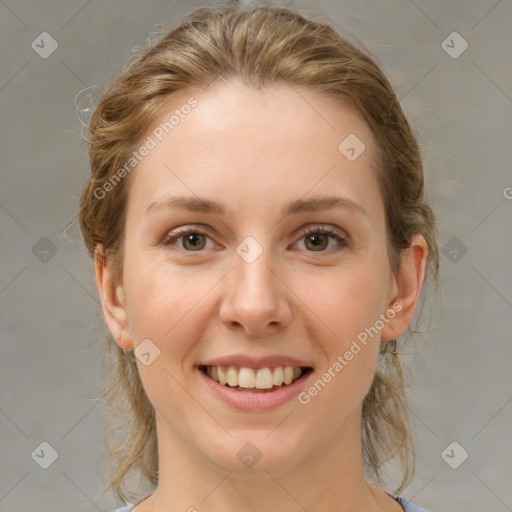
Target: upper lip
(243,360)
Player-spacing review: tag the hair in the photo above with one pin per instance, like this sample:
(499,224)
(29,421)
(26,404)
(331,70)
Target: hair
(262,46)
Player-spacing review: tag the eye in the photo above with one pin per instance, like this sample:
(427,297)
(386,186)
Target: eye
(193,240)
(317,238)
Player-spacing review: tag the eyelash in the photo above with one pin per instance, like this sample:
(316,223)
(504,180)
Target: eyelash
(316,229)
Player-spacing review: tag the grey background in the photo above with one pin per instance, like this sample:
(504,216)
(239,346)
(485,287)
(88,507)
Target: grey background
(50,350)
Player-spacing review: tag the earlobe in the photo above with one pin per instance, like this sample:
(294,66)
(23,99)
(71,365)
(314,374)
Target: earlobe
(112,299)
(408,285)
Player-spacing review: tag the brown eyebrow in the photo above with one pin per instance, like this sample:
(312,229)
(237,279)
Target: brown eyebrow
(196,204)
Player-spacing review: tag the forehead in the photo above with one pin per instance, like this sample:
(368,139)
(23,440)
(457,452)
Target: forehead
(240,142)
(284,113)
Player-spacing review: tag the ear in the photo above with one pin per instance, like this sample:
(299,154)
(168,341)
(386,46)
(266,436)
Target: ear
(406,288)
(112,299)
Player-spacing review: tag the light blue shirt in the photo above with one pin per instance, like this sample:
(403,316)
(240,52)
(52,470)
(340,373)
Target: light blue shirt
(406,505)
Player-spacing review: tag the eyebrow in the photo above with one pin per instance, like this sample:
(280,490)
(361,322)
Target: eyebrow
(196,204)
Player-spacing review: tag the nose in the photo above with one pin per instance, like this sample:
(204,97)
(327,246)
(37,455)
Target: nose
(256,300)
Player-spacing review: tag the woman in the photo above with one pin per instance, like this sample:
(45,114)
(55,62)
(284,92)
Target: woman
(257,217)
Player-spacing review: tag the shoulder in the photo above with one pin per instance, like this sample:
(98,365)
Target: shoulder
(408,506)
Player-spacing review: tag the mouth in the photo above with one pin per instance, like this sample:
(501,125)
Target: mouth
(255,380)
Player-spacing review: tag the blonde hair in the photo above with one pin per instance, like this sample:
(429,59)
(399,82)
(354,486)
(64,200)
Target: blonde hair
(259,47)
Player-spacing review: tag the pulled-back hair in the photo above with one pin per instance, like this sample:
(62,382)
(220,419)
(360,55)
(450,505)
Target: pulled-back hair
(259,47)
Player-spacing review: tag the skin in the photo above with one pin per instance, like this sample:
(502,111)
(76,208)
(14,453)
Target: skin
(253,151)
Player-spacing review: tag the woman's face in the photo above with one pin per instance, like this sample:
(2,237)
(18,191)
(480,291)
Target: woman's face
(284,264)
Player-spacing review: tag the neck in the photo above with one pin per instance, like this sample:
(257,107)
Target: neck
(319,478)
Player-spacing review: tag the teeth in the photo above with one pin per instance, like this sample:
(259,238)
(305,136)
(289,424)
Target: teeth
(263,378)
(278,376)
(288,374)
(232,376)
(222,375)
(246,378)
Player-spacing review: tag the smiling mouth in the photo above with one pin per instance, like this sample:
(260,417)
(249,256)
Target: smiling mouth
(262,380)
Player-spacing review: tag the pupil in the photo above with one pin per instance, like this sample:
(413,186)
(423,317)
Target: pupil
(316,239)
(194,240)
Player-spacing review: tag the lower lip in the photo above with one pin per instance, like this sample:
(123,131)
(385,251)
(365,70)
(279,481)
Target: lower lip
(254,401)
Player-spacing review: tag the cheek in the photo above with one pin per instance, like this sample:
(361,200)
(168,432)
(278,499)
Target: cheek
(168,307)
(348,305)
(348,299)
(348,309)
(164,303)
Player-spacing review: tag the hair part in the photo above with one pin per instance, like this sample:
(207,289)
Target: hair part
(260,47)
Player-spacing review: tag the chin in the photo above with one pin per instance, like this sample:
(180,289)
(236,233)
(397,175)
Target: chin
(255,453)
